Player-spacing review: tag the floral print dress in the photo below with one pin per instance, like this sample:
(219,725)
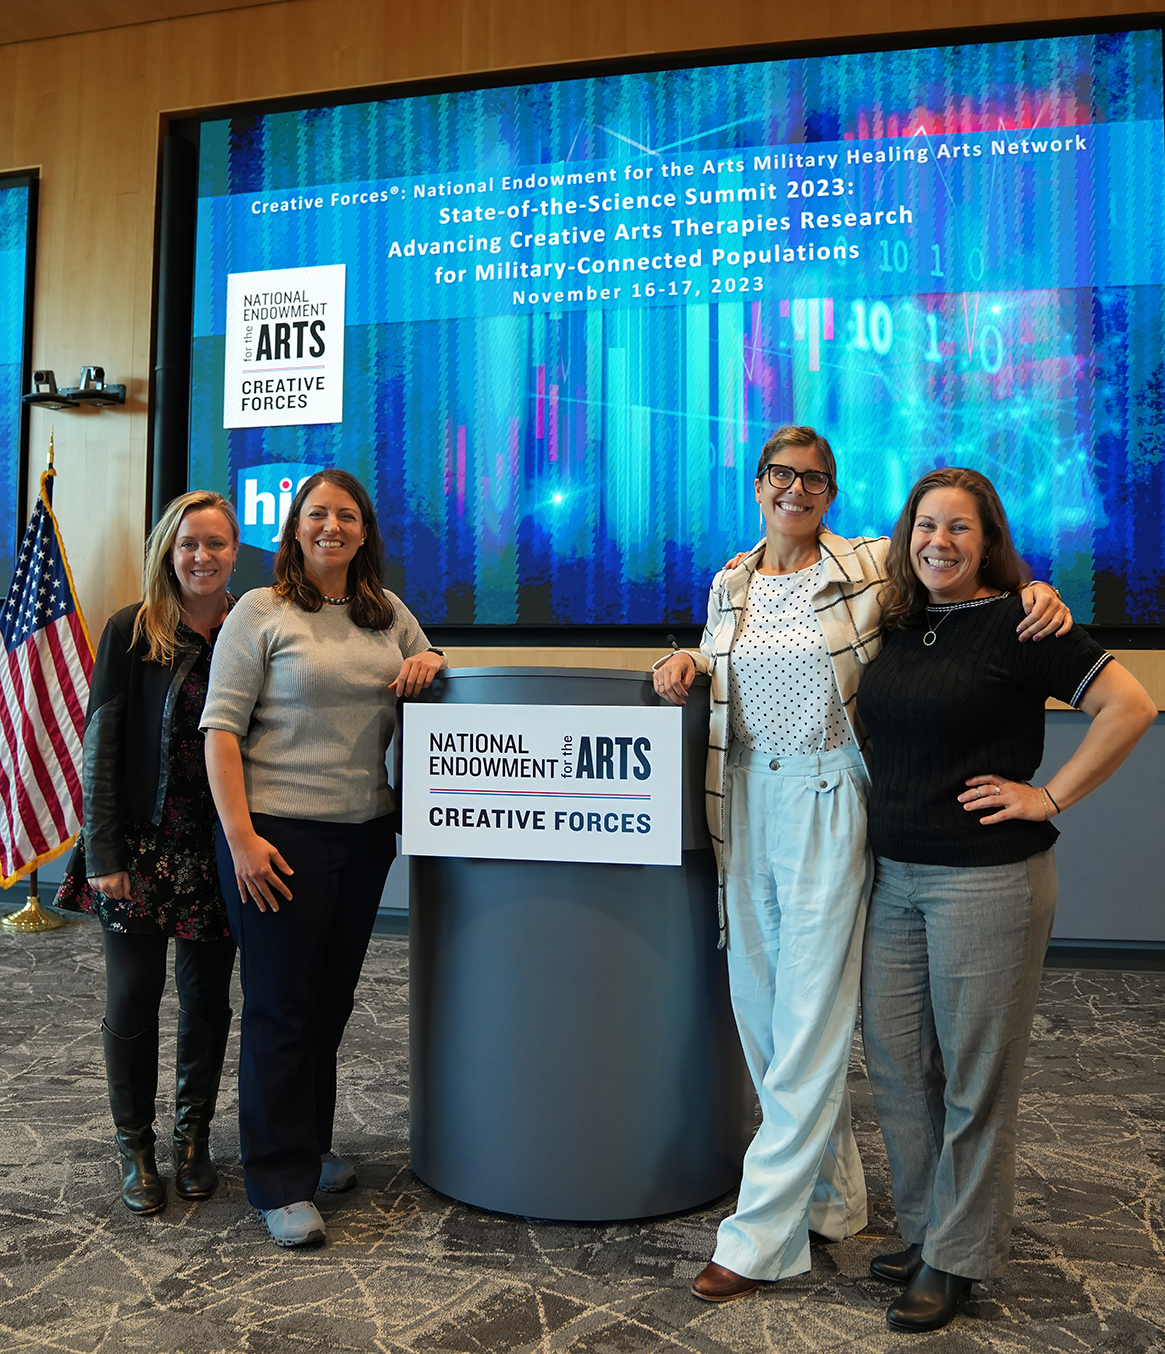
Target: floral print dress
(173,879)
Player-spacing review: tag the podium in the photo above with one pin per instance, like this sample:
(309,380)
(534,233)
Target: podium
(573,1054)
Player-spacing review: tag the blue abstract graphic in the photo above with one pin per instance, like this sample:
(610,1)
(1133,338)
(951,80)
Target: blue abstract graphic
(575,310)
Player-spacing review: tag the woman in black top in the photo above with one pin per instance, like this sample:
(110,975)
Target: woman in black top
(145,861)
(965,884)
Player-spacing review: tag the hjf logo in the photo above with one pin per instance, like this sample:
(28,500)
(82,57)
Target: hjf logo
(264,497)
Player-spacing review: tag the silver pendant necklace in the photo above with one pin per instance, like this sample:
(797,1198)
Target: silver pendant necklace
(932,634)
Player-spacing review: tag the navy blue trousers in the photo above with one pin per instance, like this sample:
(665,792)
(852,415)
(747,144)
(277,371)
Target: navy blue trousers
(299,968)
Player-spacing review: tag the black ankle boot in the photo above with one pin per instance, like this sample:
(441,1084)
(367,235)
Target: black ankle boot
(201,1046)
(898,1266)
(131,1068)
(929,1300)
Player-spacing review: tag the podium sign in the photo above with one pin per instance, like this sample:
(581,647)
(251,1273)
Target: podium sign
(542,782)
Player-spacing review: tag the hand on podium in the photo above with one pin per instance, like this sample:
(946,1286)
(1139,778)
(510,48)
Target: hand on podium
(673,677)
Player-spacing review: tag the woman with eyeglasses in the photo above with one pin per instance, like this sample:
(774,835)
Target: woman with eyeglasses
(791,627)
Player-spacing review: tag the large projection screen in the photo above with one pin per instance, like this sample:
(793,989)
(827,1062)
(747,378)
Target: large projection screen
(550,324)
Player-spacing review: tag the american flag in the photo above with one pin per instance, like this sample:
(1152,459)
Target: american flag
(44,689)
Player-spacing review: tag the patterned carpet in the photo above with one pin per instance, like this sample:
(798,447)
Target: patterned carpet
(409,1270)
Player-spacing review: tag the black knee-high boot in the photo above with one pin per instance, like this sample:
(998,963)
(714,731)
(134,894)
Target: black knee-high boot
(131,1068)
(201,1046)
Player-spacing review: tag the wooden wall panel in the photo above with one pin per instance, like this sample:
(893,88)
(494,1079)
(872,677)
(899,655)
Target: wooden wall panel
(88,110)
(24,20)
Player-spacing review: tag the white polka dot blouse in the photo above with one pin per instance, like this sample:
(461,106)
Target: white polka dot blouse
(782,691)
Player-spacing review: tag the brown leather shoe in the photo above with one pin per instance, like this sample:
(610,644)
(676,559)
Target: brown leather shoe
(714,1283)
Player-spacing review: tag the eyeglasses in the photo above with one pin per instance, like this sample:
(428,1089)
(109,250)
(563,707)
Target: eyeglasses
(784,476)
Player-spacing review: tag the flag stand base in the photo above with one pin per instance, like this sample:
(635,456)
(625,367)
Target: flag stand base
(32,917)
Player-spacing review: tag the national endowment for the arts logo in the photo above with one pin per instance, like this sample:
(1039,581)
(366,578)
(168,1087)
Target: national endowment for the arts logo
(284,347)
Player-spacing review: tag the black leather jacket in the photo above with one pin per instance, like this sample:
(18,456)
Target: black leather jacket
(127,739)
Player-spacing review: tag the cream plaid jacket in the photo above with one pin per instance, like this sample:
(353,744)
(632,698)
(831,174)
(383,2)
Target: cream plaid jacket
(851,617)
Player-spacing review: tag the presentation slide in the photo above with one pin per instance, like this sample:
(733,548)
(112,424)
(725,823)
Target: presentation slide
(14,208)
(551,325)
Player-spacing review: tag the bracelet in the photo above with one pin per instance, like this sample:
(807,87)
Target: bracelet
(1053,799)
(1053,587)
(1044,797)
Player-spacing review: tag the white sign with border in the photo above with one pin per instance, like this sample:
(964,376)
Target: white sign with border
(543,782)
(284,347)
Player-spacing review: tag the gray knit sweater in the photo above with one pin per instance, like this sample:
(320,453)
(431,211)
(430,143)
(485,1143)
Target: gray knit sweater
(308,693)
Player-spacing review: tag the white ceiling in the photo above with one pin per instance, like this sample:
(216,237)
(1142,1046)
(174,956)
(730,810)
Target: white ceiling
(24,20)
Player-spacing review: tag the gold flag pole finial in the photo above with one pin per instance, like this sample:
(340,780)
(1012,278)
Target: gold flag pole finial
(33,917)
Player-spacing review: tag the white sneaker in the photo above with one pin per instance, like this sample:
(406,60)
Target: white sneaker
(296,1224)
(336,1174)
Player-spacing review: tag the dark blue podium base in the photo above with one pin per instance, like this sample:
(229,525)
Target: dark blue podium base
(573,1054)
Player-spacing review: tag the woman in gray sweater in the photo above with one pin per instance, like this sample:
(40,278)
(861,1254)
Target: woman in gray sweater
(297,721)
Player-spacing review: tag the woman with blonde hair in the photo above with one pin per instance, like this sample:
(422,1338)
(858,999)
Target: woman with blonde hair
(145,863)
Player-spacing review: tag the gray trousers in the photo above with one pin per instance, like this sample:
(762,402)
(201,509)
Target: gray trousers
(950,978)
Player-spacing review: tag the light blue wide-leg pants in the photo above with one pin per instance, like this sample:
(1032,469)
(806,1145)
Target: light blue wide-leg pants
(797,881)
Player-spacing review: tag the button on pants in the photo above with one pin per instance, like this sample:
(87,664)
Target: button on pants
(953,963)
(797,881)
